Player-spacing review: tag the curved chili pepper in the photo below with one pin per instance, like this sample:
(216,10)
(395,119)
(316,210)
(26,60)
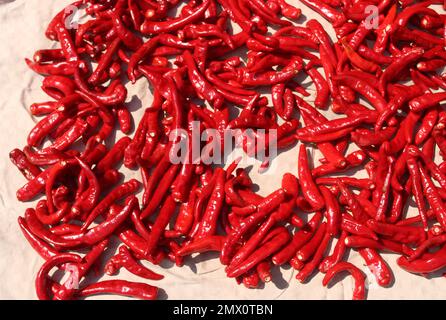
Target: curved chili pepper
(123,190)
(107,227)
(42,285)
(333,214)
(104,62)
(210,243)
(266,206)
(120,287)
(400,234)
(425,264)
(40,246)
(359,291)
(125,259)
(257,256)
(155,27)
(160,192)
(115,97)
(355,207)
(377,266)
(282,213)
(20,160)
(354,159)
(208,223)
(337,255)
(309,188)
(61,68)
(363,88)
(423,247)
(433,197)
(264,12)
(426,101)
(398,64)
(58,87)
(321,88)
(335,17)
(48,219)
(298,240)
(113,157)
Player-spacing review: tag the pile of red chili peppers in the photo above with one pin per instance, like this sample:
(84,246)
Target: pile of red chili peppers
(193,65)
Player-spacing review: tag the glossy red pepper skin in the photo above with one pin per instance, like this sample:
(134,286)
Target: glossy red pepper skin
(337,255)
(208,224)
(359,291)
(152,27)
(120,287)
(125,259)
(118,193)
(166,213)
(299,239)
(309,248)
(40,246)
(425,264)
(309,188)
(265,207)
(377,266)
(333,211)
(263,252)
(42,285)
(19,159)
(332,15)
(313,264)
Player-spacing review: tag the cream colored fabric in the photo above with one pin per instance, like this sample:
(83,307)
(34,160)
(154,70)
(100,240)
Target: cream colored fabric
(22,25)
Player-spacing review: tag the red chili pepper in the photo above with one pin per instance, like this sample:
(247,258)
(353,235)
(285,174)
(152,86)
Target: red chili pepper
(333,214)
(211,243)
(313,264)
(28,169)
(155,27)
(355,207)
(383,244)
(353,227)
(40,246)
(282,213)
(397,65)
(125,259)
(266,206)
(429,262)
(88,105)
(118,193)
(160,192)
(166,213)
(257,256)
(426,101)
(42,285)
(359,291)
(354,159)
(308,249)
(321,87)
(107,227)
(332,15)
(309,188)
(377,266)
(417,189)
(120,287)
(434,199)
(337,255)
